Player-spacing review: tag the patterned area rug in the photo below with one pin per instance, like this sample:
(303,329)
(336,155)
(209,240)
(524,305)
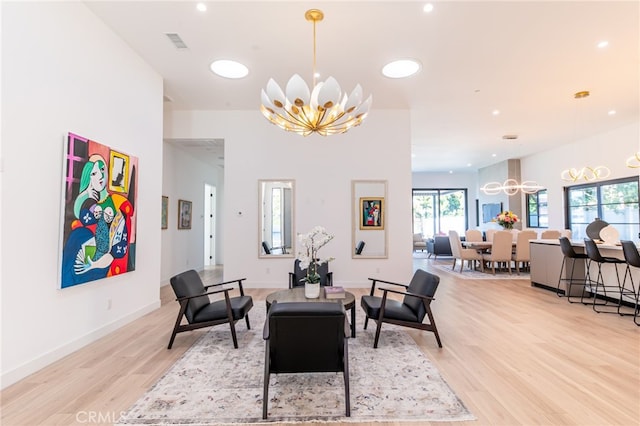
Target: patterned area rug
(468,274)
(216,384)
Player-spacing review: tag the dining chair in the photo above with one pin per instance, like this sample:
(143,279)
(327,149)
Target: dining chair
(566,233)
(473,235)
(550,234)
(458,252)
(521,255)
(500,250)
(489,233)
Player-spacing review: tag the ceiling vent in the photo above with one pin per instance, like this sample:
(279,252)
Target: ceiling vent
(510,137)
(176,40)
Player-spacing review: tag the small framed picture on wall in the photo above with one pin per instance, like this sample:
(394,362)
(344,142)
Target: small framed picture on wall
(371,213)
(184,214)
(164,213)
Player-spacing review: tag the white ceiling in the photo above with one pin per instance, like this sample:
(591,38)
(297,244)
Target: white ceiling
(526,59)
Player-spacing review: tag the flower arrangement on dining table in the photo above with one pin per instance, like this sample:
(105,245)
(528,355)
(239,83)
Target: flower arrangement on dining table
(310,244)
(506,219)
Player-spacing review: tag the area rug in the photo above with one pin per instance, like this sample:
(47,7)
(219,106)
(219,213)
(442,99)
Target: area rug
(216,384)
(468,274)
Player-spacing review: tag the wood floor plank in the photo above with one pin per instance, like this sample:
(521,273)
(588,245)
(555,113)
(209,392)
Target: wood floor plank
(514,354)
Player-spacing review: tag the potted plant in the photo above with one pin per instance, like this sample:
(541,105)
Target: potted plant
(309,246)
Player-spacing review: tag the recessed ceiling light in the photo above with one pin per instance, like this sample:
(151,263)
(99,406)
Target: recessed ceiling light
(612,112)
(401,68)
(603,44)
(201,7)
(496,112)
(493,155)
(450,172)
(229,69)
(427,8)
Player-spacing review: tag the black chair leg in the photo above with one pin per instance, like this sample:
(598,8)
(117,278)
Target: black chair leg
(375,341)
(233,334)
(366,321)
(267,372)
(176,327)
(345,374)
(246,317)
(435,329)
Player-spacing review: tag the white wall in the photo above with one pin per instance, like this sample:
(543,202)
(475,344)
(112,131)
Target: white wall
(184,178)
(610,149)
(322,169)
(63,70)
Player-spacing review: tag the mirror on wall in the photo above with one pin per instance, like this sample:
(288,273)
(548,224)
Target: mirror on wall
(369,221)
(275,227)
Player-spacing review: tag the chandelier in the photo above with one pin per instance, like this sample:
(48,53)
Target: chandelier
(586,173)
(511,187)
(633,162)
(324,110)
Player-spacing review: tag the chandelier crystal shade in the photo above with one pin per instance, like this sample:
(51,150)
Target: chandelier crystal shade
(324,109)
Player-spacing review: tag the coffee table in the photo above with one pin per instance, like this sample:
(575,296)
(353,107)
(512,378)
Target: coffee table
(296,294)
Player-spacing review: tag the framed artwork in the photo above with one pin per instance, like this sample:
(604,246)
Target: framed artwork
(119,171)
(371,213)
(184,214)
(490,211)
(98,212)
(164,213)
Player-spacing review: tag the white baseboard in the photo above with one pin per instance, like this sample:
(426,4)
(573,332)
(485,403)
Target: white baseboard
(10,377)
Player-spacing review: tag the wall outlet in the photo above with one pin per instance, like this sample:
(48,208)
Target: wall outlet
(268,270)
(109,304)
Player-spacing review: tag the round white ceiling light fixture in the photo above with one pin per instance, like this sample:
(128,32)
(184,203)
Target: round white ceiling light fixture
(401,68)
(229,69)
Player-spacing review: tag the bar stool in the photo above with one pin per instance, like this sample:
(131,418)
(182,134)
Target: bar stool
(594,256)
(632,257)
(570,253)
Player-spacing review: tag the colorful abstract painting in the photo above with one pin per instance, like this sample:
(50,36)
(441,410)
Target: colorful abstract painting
(99,229)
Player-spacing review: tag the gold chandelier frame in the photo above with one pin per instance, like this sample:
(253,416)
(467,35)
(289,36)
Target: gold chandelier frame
(324,109)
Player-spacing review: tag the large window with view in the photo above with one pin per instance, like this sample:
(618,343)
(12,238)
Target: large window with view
(615,201)
(538,210)
(437,211)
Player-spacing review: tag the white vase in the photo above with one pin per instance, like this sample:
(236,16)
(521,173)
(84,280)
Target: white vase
(311,290)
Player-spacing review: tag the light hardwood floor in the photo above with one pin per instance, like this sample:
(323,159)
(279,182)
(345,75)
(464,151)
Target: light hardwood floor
(514,354)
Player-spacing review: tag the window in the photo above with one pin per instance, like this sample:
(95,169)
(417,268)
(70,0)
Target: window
(276,217)
(616,202)
(537,210)
(436,211)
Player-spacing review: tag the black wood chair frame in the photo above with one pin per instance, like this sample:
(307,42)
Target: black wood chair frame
(184,303)
(426,301)
(289,354)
